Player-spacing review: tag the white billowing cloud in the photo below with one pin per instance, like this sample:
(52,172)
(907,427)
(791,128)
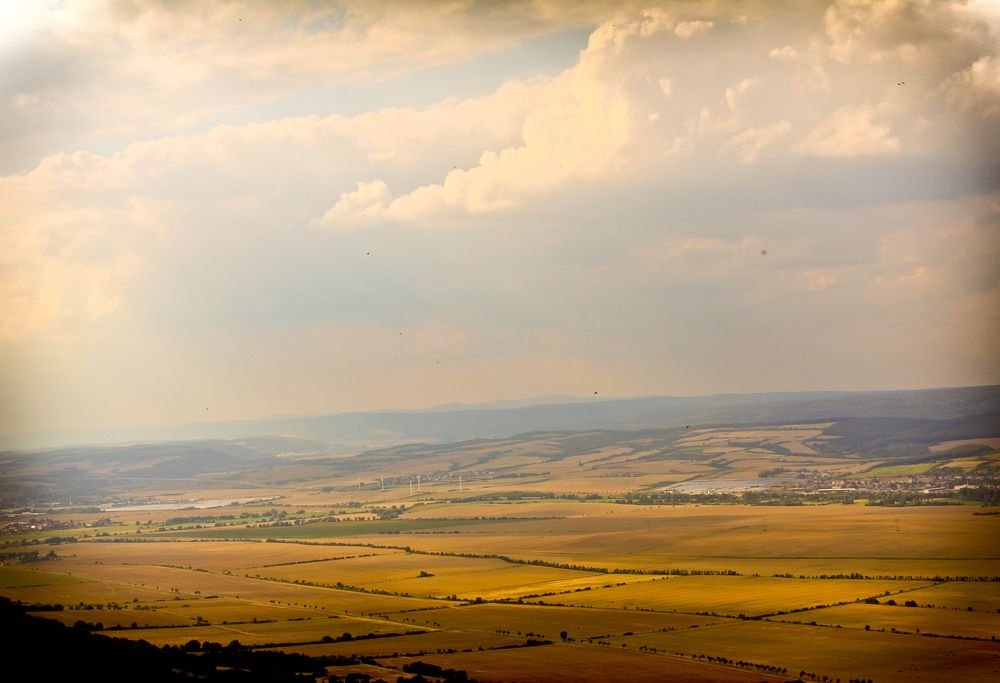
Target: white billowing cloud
(406,135)
(689,29)
(749,143)
(109,73)
(902,31)
(817,280)
(977,88)
(80,226)
(369,197)
(951,246)
(851,131)
(733,94)
(785,52)
(696,257)
(64,264)
(579,131)
(658,173)
(940,261)
(600,118)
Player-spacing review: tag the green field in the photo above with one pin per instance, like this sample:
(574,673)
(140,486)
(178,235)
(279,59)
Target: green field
(17,577)
(390,528)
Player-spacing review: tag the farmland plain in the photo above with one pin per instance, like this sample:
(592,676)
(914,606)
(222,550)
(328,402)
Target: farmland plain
(546,557)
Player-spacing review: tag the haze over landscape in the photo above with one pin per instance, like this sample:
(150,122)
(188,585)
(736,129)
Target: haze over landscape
(526,340)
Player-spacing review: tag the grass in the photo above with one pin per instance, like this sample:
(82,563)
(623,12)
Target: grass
(82,533)
(336,529)
(17,577)
(117,617)
(310,630)
(900,470)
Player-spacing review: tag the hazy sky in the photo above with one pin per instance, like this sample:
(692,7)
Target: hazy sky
(232,209)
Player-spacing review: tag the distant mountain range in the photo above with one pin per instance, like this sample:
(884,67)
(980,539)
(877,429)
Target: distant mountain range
(354,432)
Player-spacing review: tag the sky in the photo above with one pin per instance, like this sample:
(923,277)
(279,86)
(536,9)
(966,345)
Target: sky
(219,210)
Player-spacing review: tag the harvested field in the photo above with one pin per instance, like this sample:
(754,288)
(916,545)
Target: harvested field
(89,592)
(923,620)
(123,582)
(961,595)
(559,662)
(118,617)
(443,576)
(213,556)
(390,530)
(732,595)
(837,653)
(547,622)
(18,577)
(413,645)
(309,630)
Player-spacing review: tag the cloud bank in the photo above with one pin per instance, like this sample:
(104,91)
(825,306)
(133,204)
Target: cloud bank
(707,196)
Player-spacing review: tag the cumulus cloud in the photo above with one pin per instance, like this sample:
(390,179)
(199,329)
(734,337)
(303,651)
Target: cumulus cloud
(369,197)
(904,32)
(688,29)
(681,163)
(579,129)
(733,94)
(602,119)
(976,89)
(817,280)
(594,119)
(786,52)
(749,143)
(850,131)
(112,72)
(64,263)
(941,259)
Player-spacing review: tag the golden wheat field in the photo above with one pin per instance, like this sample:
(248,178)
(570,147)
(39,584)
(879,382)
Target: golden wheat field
(733,595)
(436,576)
(463,585)
(589,664)
(546,621)
(924,620)
(410,643)
(828,651)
